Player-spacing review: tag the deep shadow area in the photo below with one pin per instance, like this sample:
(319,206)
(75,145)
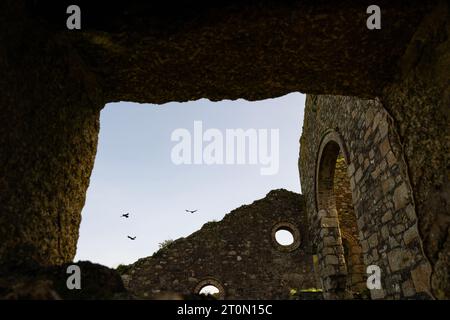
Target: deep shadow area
(383,94)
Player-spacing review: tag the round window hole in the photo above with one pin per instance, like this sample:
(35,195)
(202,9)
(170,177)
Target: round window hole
(284,237)
(210,290)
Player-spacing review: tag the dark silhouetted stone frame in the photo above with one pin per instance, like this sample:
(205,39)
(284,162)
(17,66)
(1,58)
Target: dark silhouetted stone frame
(210,282)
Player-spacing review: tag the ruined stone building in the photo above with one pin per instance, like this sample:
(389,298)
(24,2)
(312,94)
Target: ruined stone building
(359,198)
(374,158)
(238,255)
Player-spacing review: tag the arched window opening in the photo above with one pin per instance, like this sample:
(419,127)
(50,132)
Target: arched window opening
(341,247)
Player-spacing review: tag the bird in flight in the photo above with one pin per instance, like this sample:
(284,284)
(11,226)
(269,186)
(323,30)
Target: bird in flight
(125,215)
(191,211)
(131,238)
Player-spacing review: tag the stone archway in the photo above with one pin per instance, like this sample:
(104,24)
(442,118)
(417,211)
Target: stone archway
(381,193)
(339,250)
(356,276)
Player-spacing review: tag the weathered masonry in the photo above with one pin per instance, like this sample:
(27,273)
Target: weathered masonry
(239,255)
(54,82)
(360,200)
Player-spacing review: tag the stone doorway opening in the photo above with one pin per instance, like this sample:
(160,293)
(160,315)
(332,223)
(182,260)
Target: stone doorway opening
(135,170)
(342,269)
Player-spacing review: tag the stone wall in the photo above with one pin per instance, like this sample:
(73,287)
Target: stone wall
(49,123)
(381,192)
(356,273)
(419,101)
(238,254)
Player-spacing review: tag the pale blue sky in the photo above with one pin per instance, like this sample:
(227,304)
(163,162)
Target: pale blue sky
(133,172)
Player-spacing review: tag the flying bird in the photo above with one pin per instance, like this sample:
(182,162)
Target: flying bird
(191,211)
(126,215)
(131,238)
